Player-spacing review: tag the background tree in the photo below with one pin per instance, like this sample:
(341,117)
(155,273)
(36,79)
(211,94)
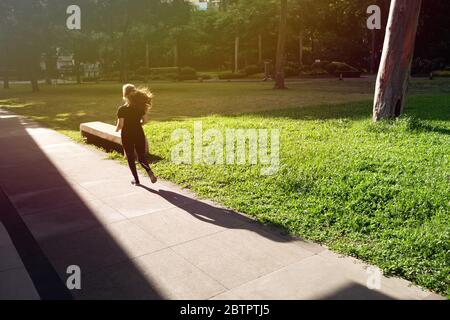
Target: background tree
(433,36)
(6,22)
(281,47)
(126,36)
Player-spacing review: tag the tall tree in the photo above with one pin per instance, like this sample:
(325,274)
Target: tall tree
(281,47)
(5,41)
(235,19)
(395,68)
(30,37)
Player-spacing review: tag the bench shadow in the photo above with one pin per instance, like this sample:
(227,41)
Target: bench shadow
(52,224)
(110,147)
(222,217)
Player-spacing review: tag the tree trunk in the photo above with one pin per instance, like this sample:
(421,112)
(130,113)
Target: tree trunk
(300,49)
(147,55)
(34,80)
(78,71)
(48,68)
(124,49)
(6,70)
(236,54)
(123,63)
(6,79)
(175,54)
(34,68)
(260,55)
(34,85)
(281,48)
(395,67)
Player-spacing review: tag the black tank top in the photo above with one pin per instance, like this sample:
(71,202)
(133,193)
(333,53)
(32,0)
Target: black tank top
(132,120)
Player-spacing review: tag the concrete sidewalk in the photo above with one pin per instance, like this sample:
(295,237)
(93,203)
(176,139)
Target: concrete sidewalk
(63,204)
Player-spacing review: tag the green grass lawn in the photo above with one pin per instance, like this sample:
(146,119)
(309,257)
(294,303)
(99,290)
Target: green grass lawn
(379,192)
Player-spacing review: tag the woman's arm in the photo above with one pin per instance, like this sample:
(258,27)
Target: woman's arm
(119,124)
(145,118)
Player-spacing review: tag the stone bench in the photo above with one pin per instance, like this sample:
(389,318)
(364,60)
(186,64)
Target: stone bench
(103,135)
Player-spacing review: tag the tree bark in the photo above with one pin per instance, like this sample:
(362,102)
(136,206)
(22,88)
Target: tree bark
(124,49)
(395,67)
(6,79)
(281,48)
(300,49)
(77,70)
(34,80)
(260,55)
(34,68)
(236,54)
(147,55)
(124,61)
(175,54)
(48,68)
(6,70)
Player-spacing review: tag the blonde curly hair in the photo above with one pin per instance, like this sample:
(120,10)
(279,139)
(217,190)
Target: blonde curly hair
(140,98)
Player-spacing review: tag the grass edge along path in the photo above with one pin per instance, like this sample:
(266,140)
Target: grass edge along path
(378,192)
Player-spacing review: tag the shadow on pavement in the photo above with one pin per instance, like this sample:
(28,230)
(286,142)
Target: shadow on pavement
(220,216)
(52,227)
(356,291)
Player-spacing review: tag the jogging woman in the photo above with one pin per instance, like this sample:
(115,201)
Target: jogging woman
(130,118)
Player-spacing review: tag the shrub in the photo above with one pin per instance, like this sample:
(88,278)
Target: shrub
(290,71)
(204,76)
(320,65)
(164,71)
(314,72)
(143,71)
(252,69)
(91,79)
(335,67)
(231,75)
(258,76)
(171,76)
(110,76)
(188,71)
(442,73)
(136,77)
(425,66)
(183,77)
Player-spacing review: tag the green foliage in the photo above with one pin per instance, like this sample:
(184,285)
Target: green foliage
(204,39)
(143,71)
(231,75)
(204,76)
(290,71)
(442,73)
(164,71)
(252,69)
(314,72)
(335,67)
(188,71)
